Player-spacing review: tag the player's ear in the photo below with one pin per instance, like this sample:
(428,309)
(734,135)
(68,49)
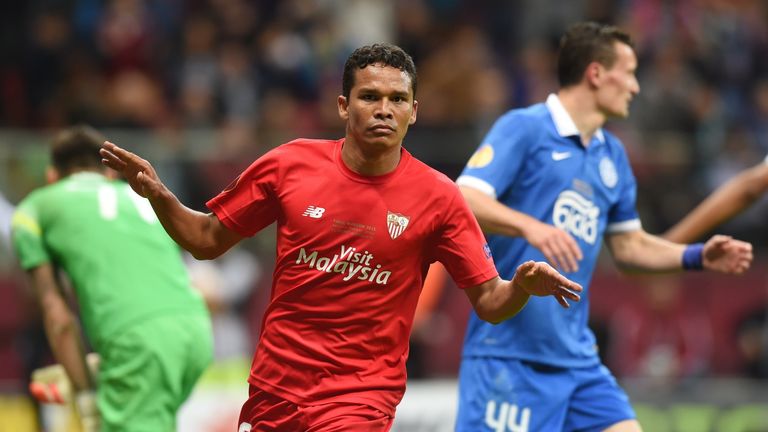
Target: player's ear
(594,73)
(52,175)
(343,105)
(412,120)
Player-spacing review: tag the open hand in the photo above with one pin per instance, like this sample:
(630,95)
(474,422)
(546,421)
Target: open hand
(540,279)
(138,172)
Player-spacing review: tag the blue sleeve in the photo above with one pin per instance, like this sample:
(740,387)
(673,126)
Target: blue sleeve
(623,215)
(495,165)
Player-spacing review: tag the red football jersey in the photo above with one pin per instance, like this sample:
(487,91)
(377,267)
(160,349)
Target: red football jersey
(352,254)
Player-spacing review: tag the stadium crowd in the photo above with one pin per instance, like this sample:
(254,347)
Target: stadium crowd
(250,74)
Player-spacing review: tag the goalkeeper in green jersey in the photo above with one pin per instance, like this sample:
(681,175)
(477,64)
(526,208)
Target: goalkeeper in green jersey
(150,328)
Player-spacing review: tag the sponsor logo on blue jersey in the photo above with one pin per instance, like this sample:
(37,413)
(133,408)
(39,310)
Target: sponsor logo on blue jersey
(576,215)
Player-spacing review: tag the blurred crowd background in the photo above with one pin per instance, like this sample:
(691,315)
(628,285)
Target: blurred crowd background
(202,87)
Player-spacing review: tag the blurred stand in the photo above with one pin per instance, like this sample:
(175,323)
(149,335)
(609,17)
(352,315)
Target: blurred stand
(752,337)
(204,87)
(6,212)
(661,336)
(226,284)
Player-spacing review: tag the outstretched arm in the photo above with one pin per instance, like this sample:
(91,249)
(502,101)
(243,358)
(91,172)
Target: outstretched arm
(560,249)
(203,235)
(730,199)
(61,327)
(497,299)
(639,251)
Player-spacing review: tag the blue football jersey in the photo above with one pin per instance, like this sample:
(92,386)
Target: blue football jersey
(532,160)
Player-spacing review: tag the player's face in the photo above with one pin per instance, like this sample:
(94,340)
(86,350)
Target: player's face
(379,109)
(618,85)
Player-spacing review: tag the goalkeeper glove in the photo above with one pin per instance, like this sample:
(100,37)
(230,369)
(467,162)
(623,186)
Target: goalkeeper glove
(51,384)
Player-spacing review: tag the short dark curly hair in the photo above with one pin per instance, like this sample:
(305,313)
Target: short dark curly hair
(584,43)
(76,148)
(385,54)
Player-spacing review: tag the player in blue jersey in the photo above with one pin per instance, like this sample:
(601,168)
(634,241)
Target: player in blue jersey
(548,182)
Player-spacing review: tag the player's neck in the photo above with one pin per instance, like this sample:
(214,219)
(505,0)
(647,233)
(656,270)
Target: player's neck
(373,162)
(54,175)
(581,106)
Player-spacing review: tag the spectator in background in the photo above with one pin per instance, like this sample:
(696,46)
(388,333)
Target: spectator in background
(752,339)
(663,336)
(758,120)
(226,284)
(198,73)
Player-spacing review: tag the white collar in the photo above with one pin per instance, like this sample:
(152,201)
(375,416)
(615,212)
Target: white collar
(563,121)
(87,174)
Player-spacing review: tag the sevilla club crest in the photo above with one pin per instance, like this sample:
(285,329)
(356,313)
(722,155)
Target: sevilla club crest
(396,224)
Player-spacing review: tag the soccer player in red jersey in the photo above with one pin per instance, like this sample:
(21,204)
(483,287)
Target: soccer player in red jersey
(359,220)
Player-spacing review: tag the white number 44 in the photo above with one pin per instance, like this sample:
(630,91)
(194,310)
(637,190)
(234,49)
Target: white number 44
(506,417)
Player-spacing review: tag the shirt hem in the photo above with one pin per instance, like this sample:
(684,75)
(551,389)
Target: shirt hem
(571,363)
(298,400)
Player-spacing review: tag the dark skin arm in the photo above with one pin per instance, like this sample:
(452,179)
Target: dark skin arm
(61,327)
(497,300)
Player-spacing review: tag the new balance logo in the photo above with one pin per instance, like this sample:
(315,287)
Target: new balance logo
(558,156)
(314,212)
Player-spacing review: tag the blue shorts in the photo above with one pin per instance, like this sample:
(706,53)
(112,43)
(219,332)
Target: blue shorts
(508,395)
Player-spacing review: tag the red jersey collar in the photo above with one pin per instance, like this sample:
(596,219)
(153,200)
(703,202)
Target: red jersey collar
(405,157)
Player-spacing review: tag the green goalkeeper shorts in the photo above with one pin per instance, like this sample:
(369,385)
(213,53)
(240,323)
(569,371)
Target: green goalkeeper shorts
(148,371)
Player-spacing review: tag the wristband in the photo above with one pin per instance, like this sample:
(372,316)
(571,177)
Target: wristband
(693,257)
(85,402)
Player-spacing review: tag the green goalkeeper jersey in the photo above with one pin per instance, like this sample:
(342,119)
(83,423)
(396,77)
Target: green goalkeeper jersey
(123,266)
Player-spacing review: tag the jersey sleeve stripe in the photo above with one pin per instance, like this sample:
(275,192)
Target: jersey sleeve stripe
(476,183)
(22,220)
(622,227)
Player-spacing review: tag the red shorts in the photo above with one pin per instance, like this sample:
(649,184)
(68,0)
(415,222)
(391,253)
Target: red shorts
(265,412)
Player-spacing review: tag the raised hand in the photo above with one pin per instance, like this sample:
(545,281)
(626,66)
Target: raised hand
(727,255)
(138,172)
(540,279)
(558,247)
